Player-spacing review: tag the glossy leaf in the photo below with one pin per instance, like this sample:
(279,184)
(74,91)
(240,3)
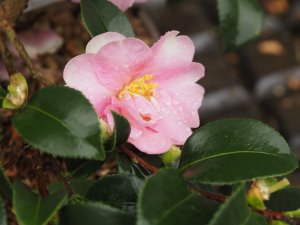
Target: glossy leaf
(93,214)
(121,129)
(234,211)
(118,190)
(32,209)
(80,186)
(3,217)
(165,200)
(287,199)
(5,186)
(235,150)
(61,121)
(101,16)
(82,167)
(241,21)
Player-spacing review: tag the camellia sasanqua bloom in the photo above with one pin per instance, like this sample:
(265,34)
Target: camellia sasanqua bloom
(154,88)
(121,4)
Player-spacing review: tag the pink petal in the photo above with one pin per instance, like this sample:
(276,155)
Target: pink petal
(170,52)
(39,42)
(97,42)
(79,74)
(188,99)
(172,79)
(122,4)
(172,123)
(118,63)
(152,142)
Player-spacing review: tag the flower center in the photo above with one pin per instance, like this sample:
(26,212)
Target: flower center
(139,86)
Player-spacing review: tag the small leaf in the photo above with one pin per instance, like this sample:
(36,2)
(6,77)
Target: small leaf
(121,129)
(93,214)
(119,190)
(3,217)
(241,21)
(284,200)
(33,209)
(234,211)
(80,186)
(17,92)
(82,167)
(61,121)
(101,16)
(234,150)
(5,186)
(165,200)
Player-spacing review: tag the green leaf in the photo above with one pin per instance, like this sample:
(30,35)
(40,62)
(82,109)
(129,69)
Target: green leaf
(234,211)
(165,200)
(80,186)
(241,21)
(119,190)
(235,150)
(3,93)
(121,129)
(3,217)
(93,214)
(33,209)
(256,219)
(287,199)
(61,121)
(5,186)
(101,16)
(82,167)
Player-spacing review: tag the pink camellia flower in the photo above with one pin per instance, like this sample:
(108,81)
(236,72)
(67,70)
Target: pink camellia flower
(154,88)
(121,4)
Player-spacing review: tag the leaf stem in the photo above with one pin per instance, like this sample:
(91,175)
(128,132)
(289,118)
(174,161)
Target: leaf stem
(135,158)
(65,181)
(6,56)
(6,27)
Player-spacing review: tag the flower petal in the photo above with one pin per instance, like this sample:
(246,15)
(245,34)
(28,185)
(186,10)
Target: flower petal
(79,74)
(118,63)
(97,42)
(122,4)
(171,51)
(152,142)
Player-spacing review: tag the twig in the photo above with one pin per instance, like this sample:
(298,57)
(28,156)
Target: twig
(6,56)
(212,196)
(15,159)
(38,167)
(6,27)
(65,181)
(138,159)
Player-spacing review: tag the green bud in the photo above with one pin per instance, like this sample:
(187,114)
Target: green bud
(171,155)
(17,92)
(262,189)
(105,131)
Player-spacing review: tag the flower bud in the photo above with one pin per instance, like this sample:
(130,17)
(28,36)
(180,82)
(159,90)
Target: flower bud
(171,155)
(105,131)
(262,189)
(17,92)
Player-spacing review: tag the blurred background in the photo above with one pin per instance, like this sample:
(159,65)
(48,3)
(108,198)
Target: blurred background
(261,80)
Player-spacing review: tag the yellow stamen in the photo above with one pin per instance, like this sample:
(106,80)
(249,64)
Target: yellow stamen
(139,86)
